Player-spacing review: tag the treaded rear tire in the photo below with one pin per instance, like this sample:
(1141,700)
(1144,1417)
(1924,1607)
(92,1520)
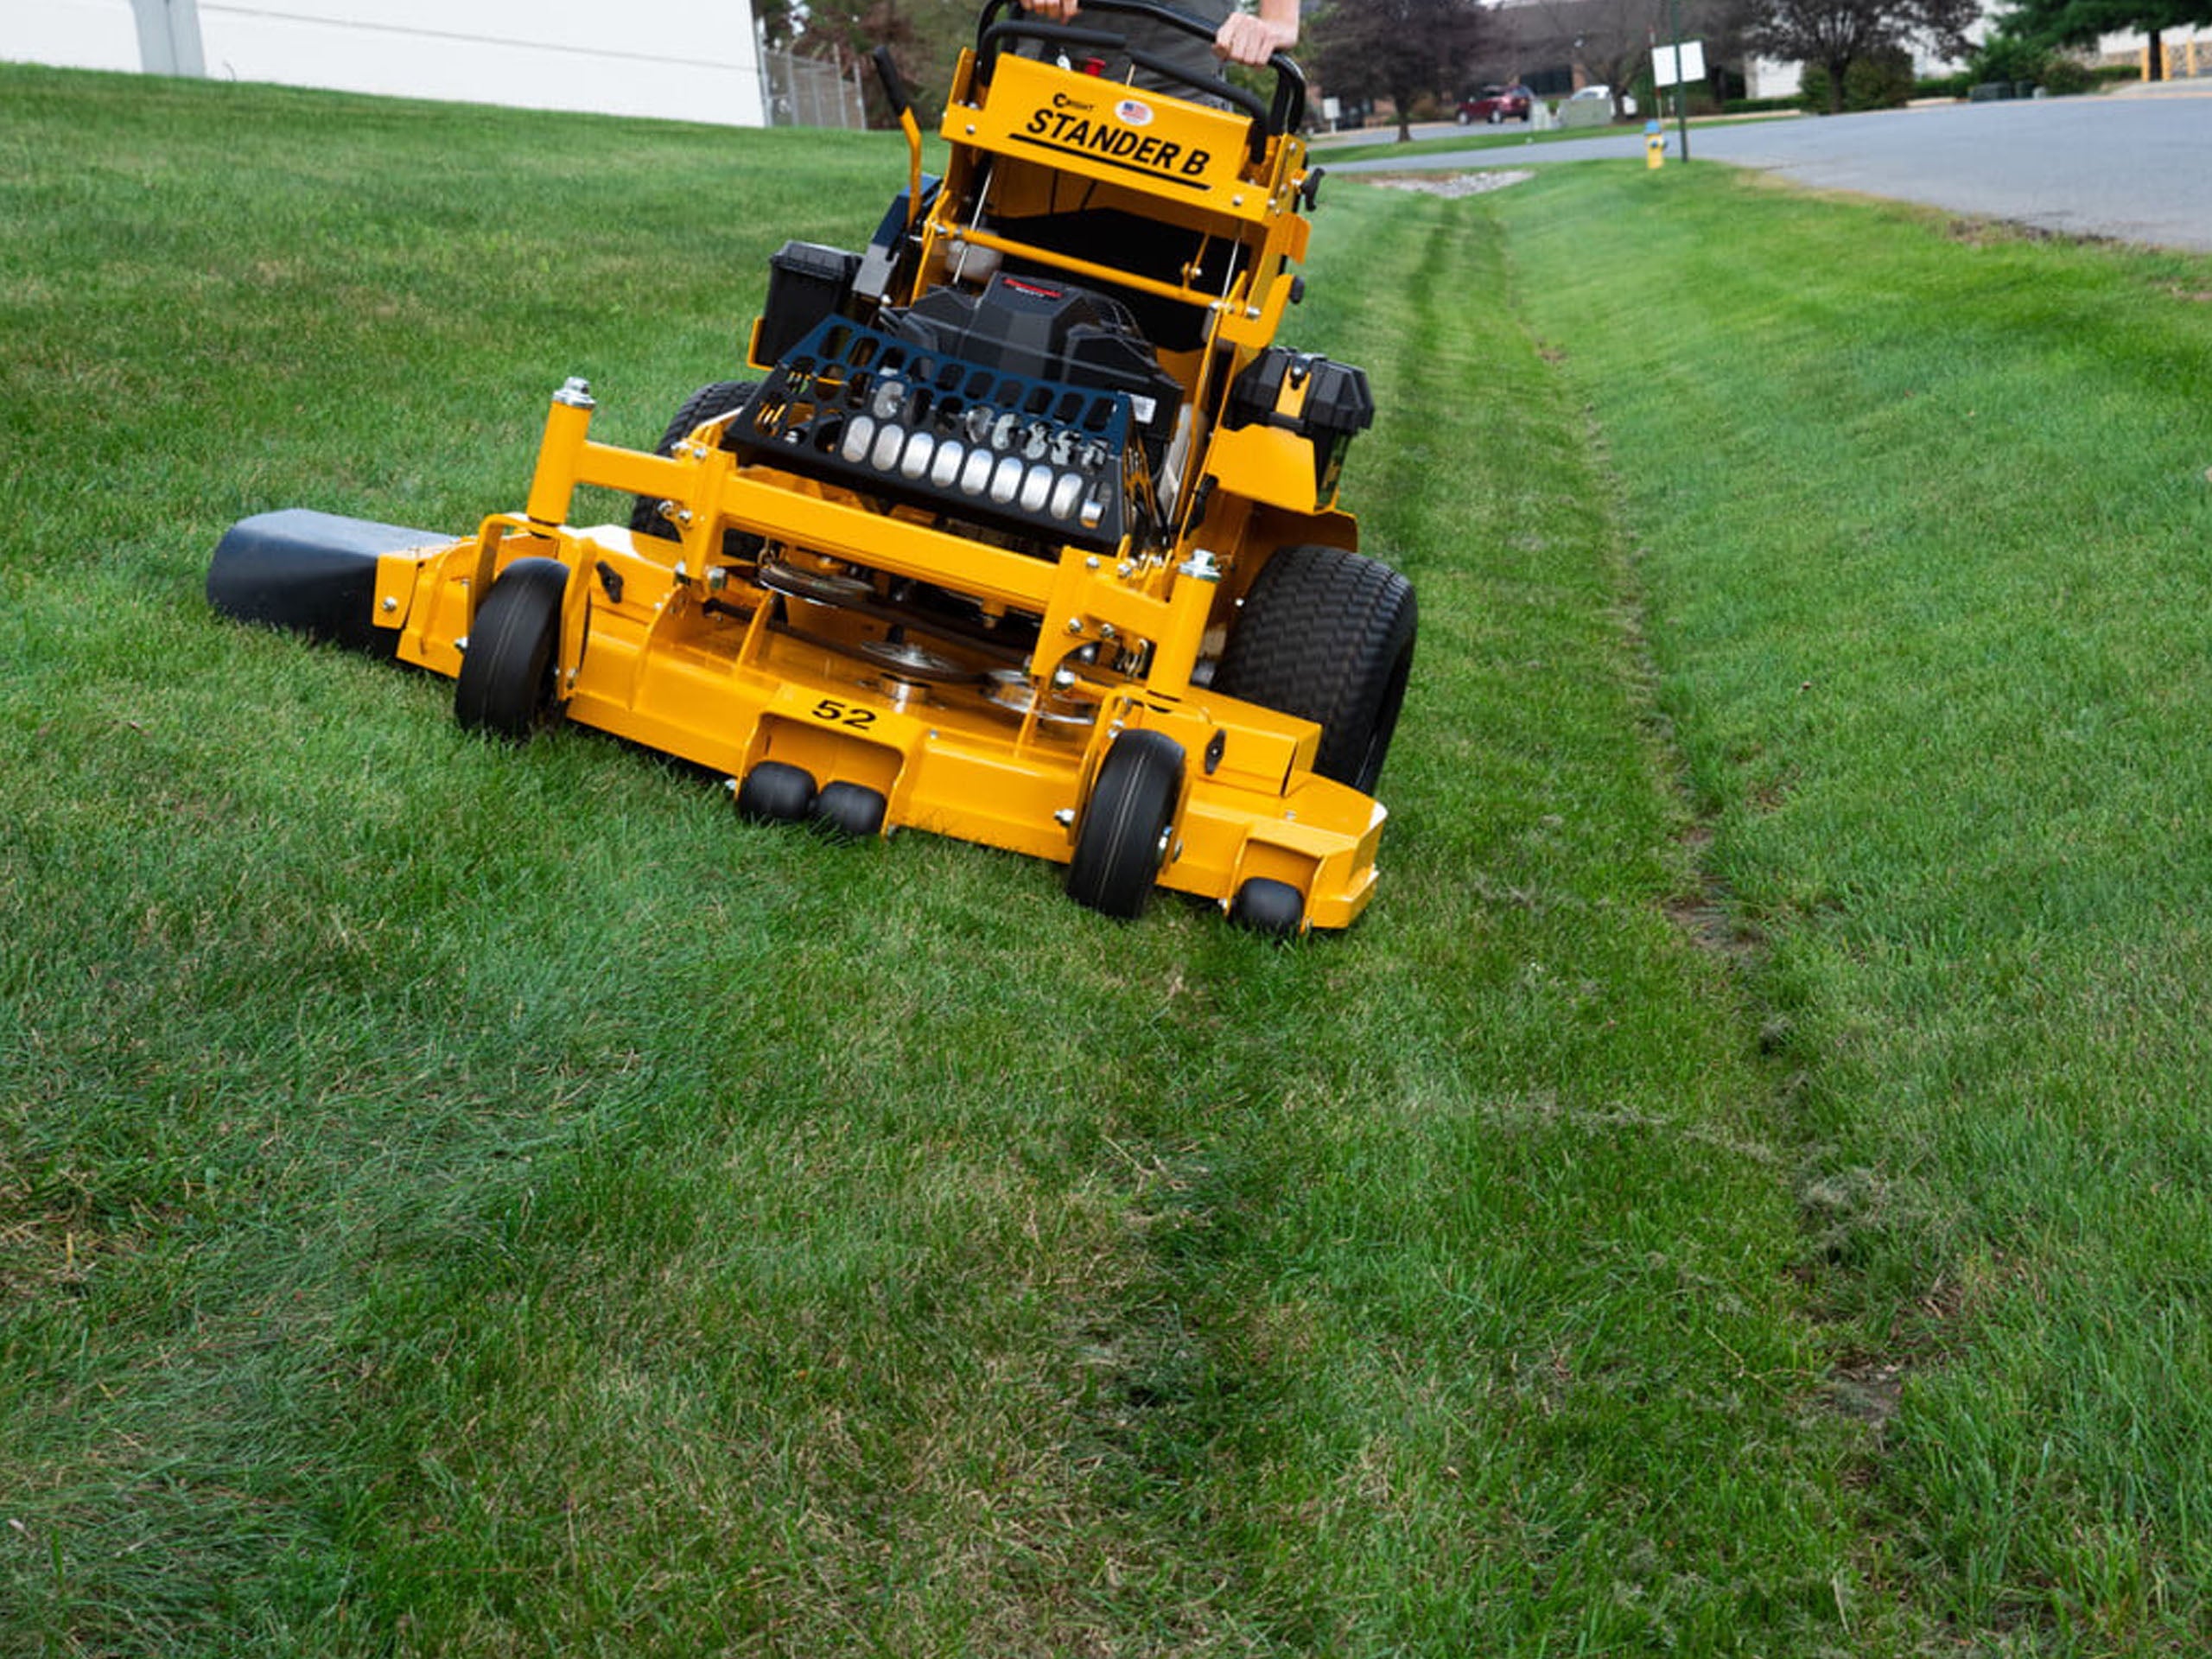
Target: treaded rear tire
(505,684)
(1327,635)
(703,404)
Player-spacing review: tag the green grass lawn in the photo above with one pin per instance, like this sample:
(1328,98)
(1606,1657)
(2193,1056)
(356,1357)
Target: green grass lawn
(1927,511)
(1739,1190)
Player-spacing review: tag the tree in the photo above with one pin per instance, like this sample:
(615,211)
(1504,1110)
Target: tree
(1605,42)
(776,22)
(1398,49)
(2077,23)
(1609,42)
(1836,33)
(1721,25)
(924,37)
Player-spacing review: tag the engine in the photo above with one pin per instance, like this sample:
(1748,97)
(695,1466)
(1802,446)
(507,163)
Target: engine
(1035,405)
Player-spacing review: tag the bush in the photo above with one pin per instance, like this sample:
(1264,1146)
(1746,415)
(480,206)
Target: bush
(2007,57)
(1882,81)
(2066,76)
(1760,105)
(1944,86)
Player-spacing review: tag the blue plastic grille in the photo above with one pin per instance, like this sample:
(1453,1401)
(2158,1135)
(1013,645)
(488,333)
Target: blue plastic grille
(858,405)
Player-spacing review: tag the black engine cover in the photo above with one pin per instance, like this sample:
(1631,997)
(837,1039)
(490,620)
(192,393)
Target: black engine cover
(1048,330)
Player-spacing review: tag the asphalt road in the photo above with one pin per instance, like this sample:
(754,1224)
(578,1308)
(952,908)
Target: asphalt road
(2133,166)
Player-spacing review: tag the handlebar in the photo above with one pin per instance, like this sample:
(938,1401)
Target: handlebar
(1285,114)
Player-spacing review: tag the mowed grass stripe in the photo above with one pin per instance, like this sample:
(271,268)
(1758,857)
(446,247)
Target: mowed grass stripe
(1927,506)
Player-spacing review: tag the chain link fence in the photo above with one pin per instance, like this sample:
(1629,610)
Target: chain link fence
(807,92)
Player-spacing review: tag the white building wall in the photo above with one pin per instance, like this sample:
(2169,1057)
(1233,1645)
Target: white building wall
(70,34)
(684,60)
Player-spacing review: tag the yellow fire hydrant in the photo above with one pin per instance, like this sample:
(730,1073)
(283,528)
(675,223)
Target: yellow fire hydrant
(1654,145)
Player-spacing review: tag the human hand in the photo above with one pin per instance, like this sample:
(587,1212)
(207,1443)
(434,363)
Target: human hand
(1250,40)
(1243,39)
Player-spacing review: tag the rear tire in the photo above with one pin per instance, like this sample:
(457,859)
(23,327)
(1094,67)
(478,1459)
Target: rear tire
(1122,841)
(506,685)
(1327,635)
(703,404)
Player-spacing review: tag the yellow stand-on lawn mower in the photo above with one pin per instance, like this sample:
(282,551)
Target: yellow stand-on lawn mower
(1026,531)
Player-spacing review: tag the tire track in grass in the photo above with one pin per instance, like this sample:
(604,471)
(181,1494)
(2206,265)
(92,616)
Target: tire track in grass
(1463,1326)
(1941,688)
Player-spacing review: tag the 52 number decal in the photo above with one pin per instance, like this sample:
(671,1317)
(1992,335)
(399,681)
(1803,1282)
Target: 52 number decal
(843,713)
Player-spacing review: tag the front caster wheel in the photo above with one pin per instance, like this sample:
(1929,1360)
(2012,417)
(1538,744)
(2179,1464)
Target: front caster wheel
(773,792)
(1275,908)
(853,810)
(506,685)
(1122,839)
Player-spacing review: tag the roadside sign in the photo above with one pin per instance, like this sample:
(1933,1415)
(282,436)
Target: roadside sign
(1687,57)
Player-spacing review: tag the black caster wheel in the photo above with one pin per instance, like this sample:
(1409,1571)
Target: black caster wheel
(506,685)
(1122,839)
(852,811)
(1275,908)
(773,792)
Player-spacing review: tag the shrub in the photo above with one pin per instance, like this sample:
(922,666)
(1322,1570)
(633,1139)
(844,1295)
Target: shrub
(2065,76)
(1944,86)
(1881,82)
(2007,57)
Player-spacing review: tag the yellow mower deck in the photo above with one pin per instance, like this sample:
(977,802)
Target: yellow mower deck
(773,619)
